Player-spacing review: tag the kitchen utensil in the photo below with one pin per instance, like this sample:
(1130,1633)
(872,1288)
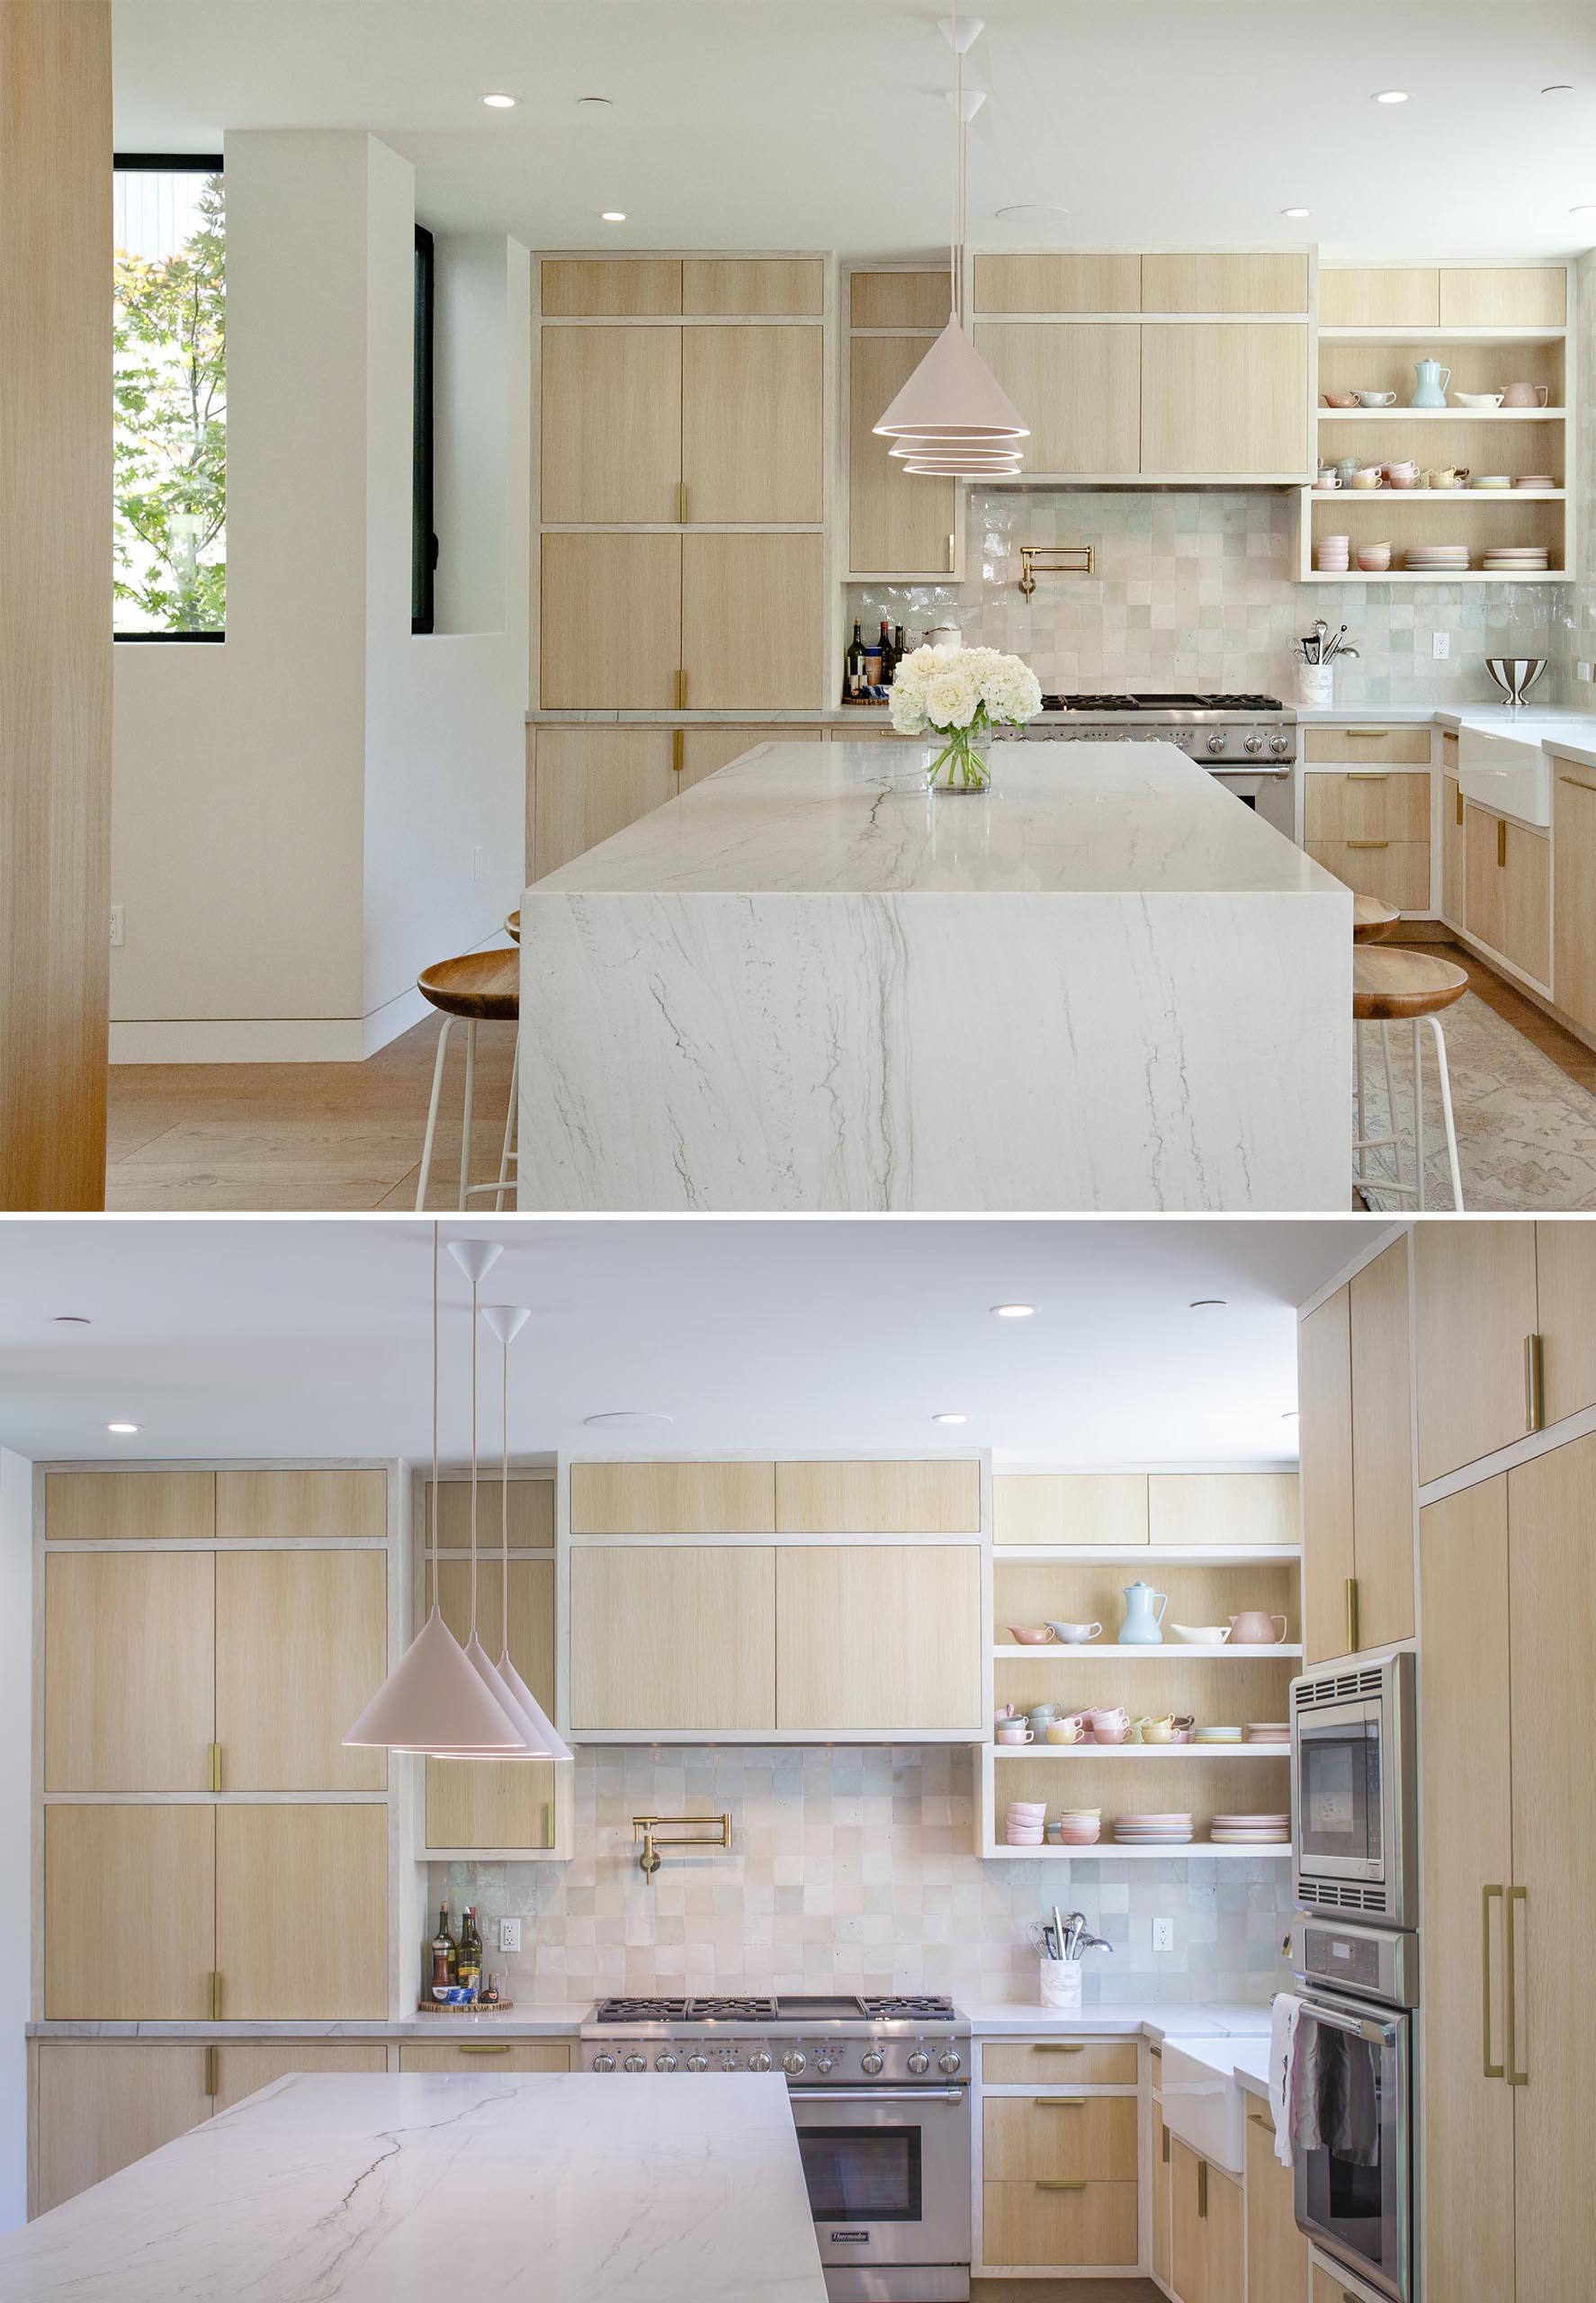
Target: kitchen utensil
(1061,1983)
(1315,683)
(1202,1635)
(1075,1634)
(1144,1614)
(1032,1634)
(1515,676)
(1377,400)
(1253,1628)
(1524,395)
(1429,390)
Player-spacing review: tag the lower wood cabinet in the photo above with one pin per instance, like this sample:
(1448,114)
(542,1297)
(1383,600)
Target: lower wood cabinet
(1207,2236)
(1042,2226)
(1395,871)
(1062,2062)
(1452,868)
(590,783)
(241,2066)
(1507,890)
(1033,2137)
(1276,2251)
(1574,895)
(486,2055)
(1162,2151)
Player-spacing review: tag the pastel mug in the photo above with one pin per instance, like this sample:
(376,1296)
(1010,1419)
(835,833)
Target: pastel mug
(1065,1731)
(1377,400)
(1157,1731)
(1016,1730)
(1106,1715)
(1004,1711)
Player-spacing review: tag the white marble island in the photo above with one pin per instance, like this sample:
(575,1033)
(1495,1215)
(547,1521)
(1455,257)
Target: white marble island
(405,2188)
(807,984)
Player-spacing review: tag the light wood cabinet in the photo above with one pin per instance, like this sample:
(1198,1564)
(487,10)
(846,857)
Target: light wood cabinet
(301,1647)
(301,1911)
(1380,296)
(99,2104)
(1224,399)
(1475,1294)
(129,1670)
(1030,2225)
(673,1498)
(1574,898)
(1162,2150)
(1395,870)
(1452,870)
(704,750)
(896,525)
(1033,2136)
(612,288)
(1324,1426)
(498,1802)
(1205,2229)
(1276,282)
(1074,281)
(752,443)
(612,423)
(129,1912)
(531,1514)
(129,1507)
(1069,1508)
(765,286)
(643,1618)
(1361,804)
(1079,384)
(898,299)
(611,623)
(878,1499)
(1059,2062)
(273,1507)
(1509,296)
(878,1635)
(487,2055)
(242,2067)
(1507,889)
(1355,1430)
(753,620)
(1565,1288)
(1229,1509)
(1276,2251)
(1369,743)
(590,783)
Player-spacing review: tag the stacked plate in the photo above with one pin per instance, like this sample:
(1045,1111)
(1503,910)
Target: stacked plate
(1023,1824)
(1535,480)
(1080,1826)
(1515,559)
(1249,1831)
(1215,1735)
(1332,554)
(1269,1731)
(1436,559)
(1152,1830)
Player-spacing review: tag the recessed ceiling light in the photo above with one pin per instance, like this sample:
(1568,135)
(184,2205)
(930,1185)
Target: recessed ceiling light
(71,1320)
(1290,1414)
(1023,211)
(1014,1311)
(1207,1303)
(594,103)
(1296,211)
(945,1418)
(121,1426)
(1391,96)
(499,102)
(1559,88)
(612,215)
(611,1418)
(1585,208)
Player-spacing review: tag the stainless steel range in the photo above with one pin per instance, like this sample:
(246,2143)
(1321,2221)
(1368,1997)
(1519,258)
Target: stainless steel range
(879,2090)
(1248,741)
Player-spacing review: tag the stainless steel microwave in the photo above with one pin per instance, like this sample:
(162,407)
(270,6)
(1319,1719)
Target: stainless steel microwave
(1354,1790)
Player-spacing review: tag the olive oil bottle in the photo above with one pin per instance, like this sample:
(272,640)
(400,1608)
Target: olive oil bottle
(470,1954)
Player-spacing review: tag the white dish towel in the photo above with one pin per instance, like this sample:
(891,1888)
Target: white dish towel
(1284,2013)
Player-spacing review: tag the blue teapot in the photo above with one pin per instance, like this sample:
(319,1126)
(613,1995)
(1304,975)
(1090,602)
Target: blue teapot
(1431,391)
(1140,1625)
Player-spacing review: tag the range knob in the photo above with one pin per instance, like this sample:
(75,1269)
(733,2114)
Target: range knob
(1216,741)
(666,2062)
(761,2062)
(602,2062)
(949,2061)
(872,2063)
(920,2063)
(635,2063)
(1252,743)
(1279,745)
(793,2062)
(698,2062)
(824,2061)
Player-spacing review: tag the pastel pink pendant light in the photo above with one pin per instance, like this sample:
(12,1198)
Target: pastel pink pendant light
(507,1322)
(434,1700)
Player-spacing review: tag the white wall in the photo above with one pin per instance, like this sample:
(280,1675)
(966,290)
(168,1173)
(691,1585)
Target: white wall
(295,810)
(16,1738)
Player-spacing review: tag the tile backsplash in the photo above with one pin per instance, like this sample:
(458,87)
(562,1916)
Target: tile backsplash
(849,1868)
(1193,589)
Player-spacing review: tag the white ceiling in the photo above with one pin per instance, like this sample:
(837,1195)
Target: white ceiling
(311,1338)
(822,123)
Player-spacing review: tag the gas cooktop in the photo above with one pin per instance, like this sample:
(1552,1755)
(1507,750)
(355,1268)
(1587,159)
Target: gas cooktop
(805,2010)
(1183,702)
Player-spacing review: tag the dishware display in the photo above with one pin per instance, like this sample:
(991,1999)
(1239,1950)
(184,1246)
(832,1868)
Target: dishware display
(1525,395)
(1331,558)
(1116,1731)
(1373,559)
(1154,1731)
(1377,400)
(1042,1715)
(1215,1735)
(1493,479)
(1143,1615)
(1030,1635)
(1075,1634)
(1086,1833)
(1328,477)
(1004,1711)
(1429,388)
(1535,480)
(1066,1731)
(1341,399)
(1202,1635)
(1269,1731)
(1436,559)
(1253,1627)
(1249,1831)
(1369,476)
(1516,560)
(1477,400)
(1016,1730)
(1448,477)
(1515,676)
(1152,1830)
(1345,468)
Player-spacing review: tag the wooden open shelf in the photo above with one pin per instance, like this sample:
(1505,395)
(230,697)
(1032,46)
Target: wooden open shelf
(1270,1852)
(1117,1752)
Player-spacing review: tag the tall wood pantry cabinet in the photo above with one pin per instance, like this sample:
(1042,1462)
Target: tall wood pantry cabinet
(1506,1341)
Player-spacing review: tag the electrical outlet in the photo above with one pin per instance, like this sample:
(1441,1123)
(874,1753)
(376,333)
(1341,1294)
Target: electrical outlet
(1163,1934)
(116,928)
(1586,671)
(1440,644)
(476,863)
(509,1929)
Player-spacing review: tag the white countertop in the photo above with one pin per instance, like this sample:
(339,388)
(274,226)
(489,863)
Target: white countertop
(1570,733)
(524,2023)
(856,820)
(1211,2020)
(404,2189)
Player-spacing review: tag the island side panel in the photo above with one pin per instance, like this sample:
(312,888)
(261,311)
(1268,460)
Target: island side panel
(786,1053)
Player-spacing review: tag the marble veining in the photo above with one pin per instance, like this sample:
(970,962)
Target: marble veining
(405,2188)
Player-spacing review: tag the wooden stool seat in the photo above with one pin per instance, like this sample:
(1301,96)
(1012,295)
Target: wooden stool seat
(1390,986)
(1372,919)
(484,987)
(513,924)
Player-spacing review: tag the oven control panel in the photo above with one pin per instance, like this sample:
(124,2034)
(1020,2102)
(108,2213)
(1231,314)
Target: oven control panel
(932,2060)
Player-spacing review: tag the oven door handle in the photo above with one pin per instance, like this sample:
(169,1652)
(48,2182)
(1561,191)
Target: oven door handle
(878,2094)
(1362,2027)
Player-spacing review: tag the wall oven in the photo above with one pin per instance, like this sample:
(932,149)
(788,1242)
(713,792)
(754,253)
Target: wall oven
(1354,1796)
(1352,2065)
(888,2170)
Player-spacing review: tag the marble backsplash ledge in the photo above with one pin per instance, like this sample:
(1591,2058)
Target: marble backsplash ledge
(850,1869)
(1192,589)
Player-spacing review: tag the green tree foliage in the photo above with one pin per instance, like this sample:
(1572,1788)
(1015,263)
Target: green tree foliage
(170,385)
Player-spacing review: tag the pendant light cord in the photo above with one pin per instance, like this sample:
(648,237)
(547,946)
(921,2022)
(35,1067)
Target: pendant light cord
(433,1527)
(504,1529)
(474,1326)
(952,228)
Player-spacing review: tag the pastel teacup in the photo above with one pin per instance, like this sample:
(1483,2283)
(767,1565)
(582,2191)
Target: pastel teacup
(1075,1634)
(1016,1730)
(1377,400)
(1065,1731)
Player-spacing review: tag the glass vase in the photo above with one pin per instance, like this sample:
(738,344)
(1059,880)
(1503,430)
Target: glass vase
(962,763)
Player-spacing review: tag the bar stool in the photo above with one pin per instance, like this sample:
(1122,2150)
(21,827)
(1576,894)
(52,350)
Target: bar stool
(1373,919)
(479,988)
(1406,986)
(513,925)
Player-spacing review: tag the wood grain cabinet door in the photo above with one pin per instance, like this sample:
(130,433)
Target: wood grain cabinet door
(1574,895)
(1383,1449)
(753,620)
(761,285)
(129,1912)
(1324,1436)
(1565,1289)
(1228,1507)
(673,1498)
(1476,1303)
(302,1912)
(1225,398)
(611,625)
(498,1802)
(1276,282)
(1079,383)
(590,783)
(477,2057)
(592,288)
(129,1507)
(878,1635)
(1069,1508)
(530,1515)
(896,525)
(100,2104)
(1276,2251)
(128,1677)
(642,1617)
(1225,2238)
(752,427)
(1162,2146)
(301,1647)
(1188,2249)
(612,424)
(1452,872)
(275,1507)
(845,1498)
(245,2065)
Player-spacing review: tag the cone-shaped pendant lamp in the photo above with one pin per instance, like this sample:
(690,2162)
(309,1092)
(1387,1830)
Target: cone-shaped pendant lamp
(433,1700)
(507,1322)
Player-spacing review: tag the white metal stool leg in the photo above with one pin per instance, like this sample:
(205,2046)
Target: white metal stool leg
(1419,1111)
(1445,1085)
(1362,1175)
(465,1124)
(507,1159)
(432,1114)
(1402,1181)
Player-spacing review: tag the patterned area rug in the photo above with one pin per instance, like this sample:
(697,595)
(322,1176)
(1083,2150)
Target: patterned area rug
(1526,1130)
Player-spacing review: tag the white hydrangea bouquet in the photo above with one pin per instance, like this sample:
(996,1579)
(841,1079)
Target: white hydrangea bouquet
(961,694)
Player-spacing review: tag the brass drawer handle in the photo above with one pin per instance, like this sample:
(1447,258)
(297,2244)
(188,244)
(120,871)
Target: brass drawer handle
(1166,2137)
(1374,732)
(1515,2077)
(1460,803)
(1058,2047)
(1490,2067)
(210,2087)
(1351,1615)
(1061,2182)
(1059,2103)
(1502,839)
(1578,783)
(1369,776)
(214,1782)
(1535,1406)
(1202,2187)
(1368,843)
(677,745)
(499,2046)
(1257,2118)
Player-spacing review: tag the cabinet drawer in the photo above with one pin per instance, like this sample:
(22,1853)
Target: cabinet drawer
(1061,2063)
(1026,2223)
(485,2055)
(1397,871)
(1368,743)
(1360,806)
(1034,2135)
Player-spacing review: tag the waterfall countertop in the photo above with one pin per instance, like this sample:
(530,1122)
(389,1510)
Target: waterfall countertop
(401,2189)
(809,985)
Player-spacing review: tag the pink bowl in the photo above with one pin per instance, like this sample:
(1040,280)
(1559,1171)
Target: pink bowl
(1080,1834)
(1030,1635)
(1106,1734)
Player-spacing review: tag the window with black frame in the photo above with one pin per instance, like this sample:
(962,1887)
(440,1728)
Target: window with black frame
(424,542)
(169,397)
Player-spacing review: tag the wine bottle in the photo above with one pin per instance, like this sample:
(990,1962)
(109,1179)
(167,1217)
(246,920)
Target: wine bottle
(889,662)
(470,1954)
(856,666)
(444,1955)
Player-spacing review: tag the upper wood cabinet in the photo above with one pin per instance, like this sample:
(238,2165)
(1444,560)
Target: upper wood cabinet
(301,1647)
(1224,284)
(753,620)
(1449,295)
(302,1912)
(1225,1509)
(764,287)
(1380,296)
(1224,399)
(531,1504)
(673,1498)
(129,1670)
(1325,1428)
(646,1621)
(1565,1289)
(898,299)
(1062,283)
(752,428)
(1573,896)
(129,1506)
(612,288)
(1356,1432)
(610,630)
(129,1912)
(1069,1508)
(498,1802)
(270,1507)
(878,1635)
(896,525)
(612,424)
(872,1499)
(1079,382)
(1476,1311)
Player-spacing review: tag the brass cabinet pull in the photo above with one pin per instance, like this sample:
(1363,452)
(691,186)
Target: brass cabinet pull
(681,690)
(1257,2118)
(951,555)
(499,2047)
(1202,2187)
(1351,1615)
(1059,2103)
(214,1783)
(1368,843)
(210,2088)
(1515,2077)
(1535,1410)
(1166,2137)
(1502,839)
(1460,803)
(681,503)
(1578,783)
(1061,2182)
(1366,731)
(1489,2069)
(1058,2047)
(677,749)
(213,1996)
(1369,776)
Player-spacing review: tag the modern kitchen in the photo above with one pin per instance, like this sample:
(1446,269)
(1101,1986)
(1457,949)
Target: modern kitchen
(547,1777)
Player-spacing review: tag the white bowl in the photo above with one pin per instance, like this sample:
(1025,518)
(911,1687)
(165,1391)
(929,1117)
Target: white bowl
(1202,1635)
